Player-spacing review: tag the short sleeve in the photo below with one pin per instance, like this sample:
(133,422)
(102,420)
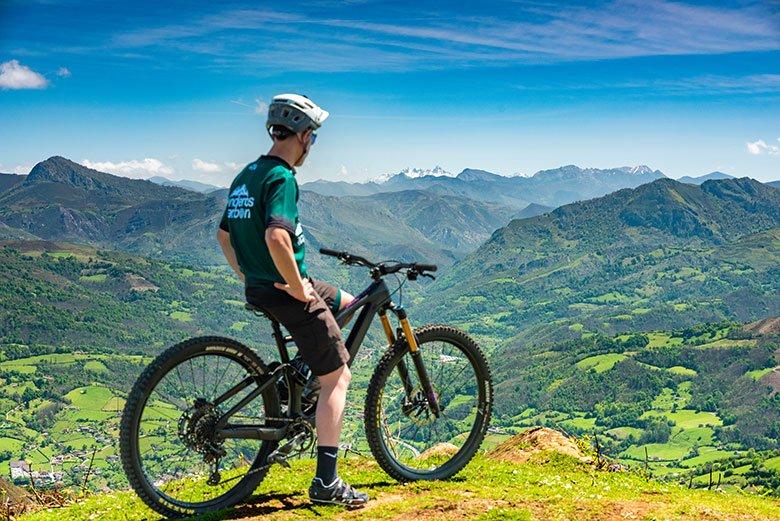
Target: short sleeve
(223,224)
(281,208)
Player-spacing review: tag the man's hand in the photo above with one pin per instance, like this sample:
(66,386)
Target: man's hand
(304,292)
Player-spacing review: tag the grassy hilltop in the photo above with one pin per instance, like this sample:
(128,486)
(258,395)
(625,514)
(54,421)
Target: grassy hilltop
(524,478)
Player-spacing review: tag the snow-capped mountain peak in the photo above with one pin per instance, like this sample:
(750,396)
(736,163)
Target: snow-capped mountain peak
(414,173)
(641,169)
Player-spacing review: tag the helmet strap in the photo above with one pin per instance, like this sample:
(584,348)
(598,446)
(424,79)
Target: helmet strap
(305,151)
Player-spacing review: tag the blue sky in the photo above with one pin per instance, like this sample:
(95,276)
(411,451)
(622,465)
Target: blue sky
(178,89)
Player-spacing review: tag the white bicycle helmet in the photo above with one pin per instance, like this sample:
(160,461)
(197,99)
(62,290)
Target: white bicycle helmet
(295,112)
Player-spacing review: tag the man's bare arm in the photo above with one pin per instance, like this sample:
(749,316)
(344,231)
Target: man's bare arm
(281,250)
(223,238)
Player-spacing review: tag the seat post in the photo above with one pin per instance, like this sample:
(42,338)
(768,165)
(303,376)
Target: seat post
(280,342)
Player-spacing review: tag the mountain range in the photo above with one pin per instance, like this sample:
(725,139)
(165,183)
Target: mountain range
(547,187)
(412,215)
(709,177)
(664,254)
(187,184)
(64,201)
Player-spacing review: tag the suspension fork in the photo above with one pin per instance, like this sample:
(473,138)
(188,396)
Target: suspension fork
(414,352)
(403,371)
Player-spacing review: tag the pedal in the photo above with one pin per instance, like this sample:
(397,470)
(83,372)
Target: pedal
(281,459)
(280,455)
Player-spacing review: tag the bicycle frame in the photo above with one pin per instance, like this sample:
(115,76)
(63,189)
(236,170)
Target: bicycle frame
(374,300)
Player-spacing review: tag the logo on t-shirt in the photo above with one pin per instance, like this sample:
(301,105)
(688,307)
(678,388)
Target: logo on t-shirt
(240,191)
(299,234)
(240,204)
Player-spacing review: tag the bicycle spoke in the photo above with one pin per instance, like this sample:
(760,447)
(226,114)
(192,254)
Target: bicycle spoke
(178,446)
(417,434)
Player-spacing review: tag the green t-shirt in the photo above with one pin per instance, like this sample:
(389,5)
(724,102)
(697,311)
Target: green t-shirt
(264,194)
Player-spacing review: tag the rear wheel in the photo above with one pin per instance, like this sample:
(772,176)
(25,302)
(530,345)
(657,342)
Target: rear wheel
(410,442)
(169,451)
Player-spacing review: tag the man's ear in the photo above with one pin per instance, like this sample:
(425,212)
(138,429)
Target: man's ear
(305,135)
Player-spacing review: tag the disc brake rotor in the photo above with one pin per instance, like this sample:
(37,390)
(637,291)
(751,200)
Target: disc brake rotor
(417,410)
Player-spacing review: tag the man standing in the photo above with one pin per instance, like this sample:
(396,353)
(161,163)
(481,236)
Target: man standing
(261,237)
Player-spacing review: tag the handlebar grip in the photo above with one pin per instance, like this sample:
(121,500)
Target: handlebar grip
(427,267)
(332,253)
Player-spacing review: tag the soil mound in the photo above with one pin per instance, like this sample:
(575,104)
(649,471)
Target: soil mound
(519,448)
(13,500)
(440,449)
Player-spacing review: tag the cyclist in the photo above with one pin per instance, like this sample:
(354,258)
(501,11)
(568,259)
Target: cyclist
(262,240)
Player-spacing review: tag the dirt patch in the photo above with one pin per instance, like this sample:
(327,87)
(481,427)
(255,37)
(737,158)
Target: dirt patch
(768,326)
(139,284)
(519,448)
(13,500)
(772,379)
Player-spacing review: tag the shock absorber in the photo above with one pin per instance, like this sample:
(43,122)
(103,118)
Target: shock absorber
(414,352)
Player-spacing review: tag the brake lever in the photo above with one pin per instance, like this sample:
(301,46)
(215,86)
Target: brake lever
(428,275)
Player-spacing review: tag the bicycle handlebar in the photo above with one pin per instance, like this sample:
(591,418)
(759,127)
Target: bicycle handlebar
(384,269)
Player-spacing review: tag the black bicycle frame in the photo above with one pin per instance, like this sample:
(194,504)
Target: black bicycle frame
(374,300)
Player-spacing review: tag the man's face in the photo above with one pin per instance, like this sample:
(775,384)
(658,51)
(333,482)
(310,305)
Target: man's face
(306,141)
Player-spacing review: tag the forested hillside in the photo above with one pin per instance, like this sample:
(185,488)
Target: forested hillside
(616,316)
(662,255)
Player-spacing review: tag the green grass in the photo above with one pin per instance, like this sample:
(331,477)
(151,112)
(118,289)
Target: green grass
(688,418)
(100,277)
(623,433)
(550,487)
(96,366)
(682,371)
(707,455)
(700,435)
(585,424)
(661,339)
(727,342)
(656,452)
(11,444)
(601,363)
(181,316)
(758,374)
(239,326)
(612,297)
(773,463)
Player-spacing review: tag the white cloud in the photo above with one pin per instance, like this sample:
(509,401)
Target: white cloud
(760,147)
(134,168)
(343,172)
(261,107)
(232,165)
(20,169)
(14,75)
(63,72)
(352,38)
(203,166)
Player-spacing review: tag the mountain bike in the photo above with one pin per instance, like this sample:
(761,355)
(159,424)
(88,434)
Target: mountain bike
(207,418)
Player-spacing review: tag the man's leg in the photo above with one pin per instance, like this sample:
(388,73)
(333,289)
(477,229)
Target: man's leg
(326,486)
(332,399)
(330,416)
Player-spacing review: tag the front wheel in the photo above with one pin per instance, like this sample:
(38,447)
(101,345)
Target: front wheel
(409,441)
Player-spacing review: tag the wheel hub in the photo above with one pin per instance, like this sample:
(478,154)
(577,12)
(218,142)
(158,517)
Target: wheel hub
(197,430)
(417,410)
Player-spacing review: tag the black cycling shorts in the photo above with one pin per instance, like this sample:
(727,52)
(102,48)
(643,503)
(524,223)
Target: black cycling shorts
(311,324)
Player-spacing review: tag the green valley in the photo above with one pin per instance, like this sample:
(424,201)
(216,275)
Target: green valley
(620,320)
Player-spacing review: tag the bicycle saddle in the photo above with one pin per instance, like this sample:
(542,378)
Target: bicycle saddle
(258,311)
